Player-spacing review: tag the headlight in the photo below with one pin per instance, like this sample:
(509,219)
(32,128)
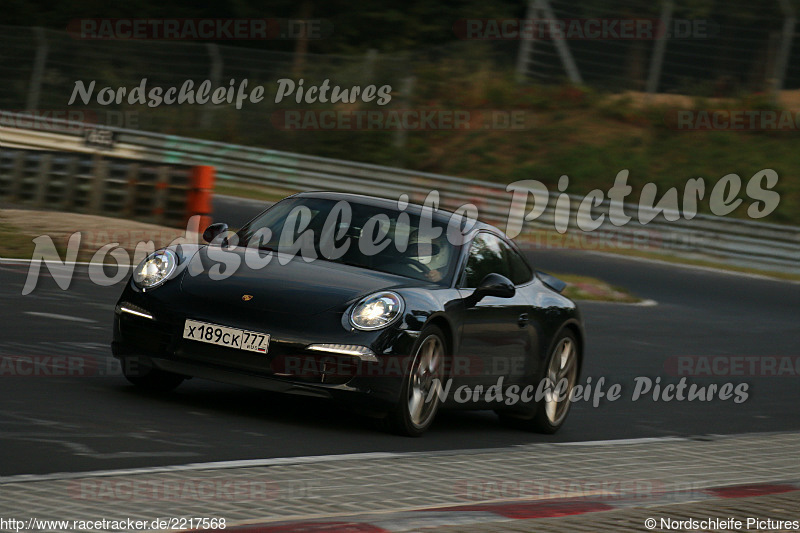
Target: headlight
(377,311)
(155,269)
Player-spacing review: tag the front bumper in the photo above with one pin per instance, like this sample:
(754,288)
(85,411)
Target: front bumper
(152,336)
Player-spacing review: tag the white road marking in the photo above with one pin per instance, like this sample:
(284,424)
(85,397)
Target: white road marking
(81,449)
(61,317)
(617,442)
(245,463)
(311,459)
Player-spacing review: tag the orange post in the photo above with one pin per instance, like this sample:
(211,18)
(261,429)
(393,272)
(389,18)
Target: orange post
(201,189)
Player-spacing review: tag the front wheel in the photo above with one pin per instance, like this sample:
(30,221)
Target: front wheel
(419,397)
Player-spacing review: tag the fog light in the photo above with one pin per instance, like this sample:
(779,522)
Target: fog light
(134,310)
(353,350)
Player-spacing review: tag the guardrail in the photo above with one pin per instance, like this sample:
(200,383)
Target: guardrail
(159,193)
(745,242)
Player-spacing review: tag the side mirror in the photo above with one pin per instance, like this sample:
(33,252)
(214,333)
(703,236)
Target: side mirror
(551,281)
(492,285)
(214,230)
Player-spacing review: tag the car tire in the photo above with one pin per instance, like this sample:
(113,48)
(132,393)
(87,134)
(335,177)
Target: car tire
(412,416)
(149,377)
(547,417)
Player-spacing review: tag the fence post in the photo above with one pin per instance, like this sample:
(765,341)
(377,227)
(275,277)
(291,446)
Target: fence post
(400,135)
(660,47)
(561,47)
(786,47)
(17,172)
(131,190)
(215,74)
(70,182)
(44,177)
(98,191)
(369,65)
(160,197)
(35,85)
(301,43)
(525,45)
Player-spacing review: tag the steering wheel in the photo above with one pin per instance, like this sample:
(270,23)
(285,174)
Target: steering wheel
(416,265)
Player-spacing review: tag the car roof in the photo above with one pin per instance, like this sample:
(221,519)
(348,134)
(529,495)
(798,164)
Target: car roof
(439,215)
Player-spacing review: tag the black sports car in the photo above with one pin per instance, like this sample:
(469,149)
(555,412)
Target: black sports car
(395,307)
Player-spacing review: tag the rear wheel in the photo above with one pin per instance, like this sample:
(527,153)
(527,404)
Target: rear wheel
(560,376)
(149,377)
(419,398)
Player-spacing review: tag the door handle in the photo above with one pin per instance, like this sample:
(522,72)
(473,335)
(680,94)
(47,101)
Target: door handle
(523,320)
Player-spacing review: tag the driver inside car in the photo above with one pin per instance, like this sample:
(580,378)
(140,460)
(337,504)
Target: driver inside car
(431,253)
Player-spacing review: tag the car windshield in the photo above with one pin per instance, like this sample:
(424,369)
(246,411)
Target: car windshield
(366,236)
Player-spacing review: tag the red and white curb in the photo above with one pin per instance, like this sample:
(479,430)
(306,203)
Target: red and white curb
(494,512)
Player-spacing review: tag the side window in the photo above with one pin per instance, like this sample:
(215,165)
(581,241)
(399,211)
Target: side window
(486,256)
(520,271)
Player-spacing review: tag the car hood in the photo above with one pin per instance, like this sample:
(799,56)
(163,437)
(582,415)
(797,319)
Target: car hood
(295,287)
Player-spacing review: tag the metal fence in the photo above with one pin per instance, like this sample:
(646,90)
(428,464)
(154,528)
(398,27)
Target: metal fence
(705,49)
(96,184)
(745,242)
(744,49)
(40,67)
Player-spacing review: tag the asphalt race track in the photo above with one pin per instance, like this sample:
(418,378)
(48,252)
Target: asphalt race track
(95,420)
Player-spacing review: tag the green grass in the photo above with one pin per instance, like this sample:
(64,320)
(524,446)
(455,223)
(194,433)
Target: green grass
(589,138)
(588,288)
(584,133)
(592,142)
(252,192)
(14,244)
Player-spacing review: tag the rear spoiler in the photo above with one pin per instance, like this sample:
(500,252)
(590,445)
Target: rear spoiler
(551,281)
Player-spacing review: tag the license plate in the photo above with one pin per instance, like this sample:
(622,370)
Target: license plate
(240,339)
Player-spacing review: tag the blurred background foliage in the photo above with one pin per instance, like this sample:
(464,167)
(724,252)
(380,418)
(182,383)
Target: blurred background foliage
(588,131)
